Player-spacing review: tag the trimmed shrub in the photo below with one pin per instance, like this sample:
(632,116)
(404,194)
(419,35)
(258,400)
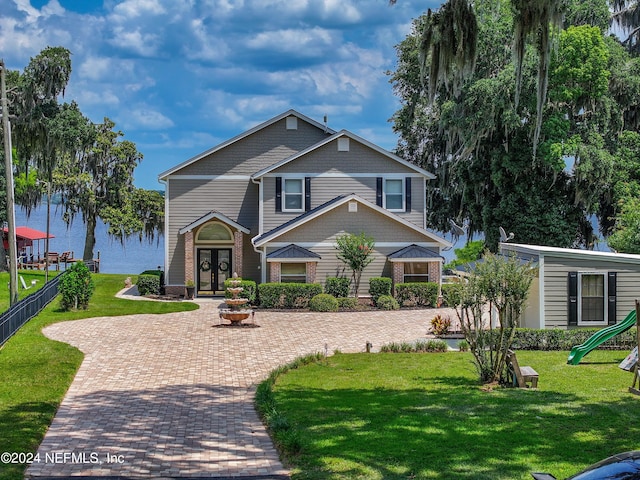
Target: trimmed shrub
(148,284)
(418,294)
(337,286)
(451,294)
(76,287)
(249,292)
(379,286)
(463,346)
(348,303)
(556,339)
(323,302)
(387,302)
(287,295)
(158,273)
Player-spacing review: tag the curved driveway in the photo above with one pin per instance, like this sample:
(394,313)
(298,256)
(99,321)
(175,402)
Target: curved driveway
(167,396)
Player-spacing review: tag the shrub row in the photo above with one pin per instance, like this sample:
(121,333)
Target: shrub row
(421,346)
(556,339)
(417,294)
(249,290)
(287,295)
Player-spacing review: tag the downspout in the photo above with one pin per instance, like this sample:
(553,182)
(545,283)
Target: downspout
(166,225)
(261,251)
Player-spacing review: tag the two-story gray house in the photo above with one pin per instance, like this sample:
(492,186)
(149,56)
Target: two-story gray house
(270,202)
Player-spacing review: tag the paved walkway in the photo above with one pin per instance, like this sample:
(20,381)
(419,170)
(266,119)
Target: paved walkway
(171,396)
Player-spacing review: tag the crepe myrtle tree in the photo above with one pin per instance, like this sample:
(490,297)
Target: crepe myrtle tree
(498,284)
(356,252)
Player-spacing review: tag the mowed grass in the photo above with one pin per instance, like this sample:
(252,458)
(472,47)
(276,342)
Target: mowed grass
(36,372)
(28,276)
(424,416)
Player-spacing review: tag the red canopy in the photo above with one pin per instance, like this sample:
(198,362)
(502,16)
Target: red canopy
(30,233)
(25,236)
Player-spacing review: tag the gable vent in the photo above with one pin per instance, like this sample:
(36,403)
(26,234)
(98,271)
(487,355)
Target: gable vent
(292,123)
(353,207)
(343,144)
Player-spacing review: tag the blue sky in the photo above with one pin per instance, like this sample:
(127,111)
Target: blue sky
(180,76)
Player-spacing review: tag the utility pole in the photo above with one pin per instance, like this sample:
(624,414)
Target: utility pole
(11,214)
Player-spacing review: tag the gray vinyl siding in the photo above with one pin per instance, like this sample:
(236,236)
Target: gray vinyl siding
(330,266)
(556,270)
(189,200)
(256,151)
(339,221)
(359,159)
(325,188)
(319,236)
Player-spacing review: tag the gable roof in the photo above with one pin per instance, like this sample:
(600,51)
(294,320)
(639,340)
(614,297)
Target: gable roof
(243,135)
(356,138)
(415,253)
(213,215)
(541,250)
(292,253)
(331,205)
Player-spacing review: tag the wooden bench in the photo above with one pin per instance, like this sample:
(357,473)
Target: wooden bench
(521,375)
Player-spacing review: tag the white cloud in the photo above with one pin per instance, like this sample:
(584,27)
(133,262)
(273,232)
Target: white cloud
(130,9)
(304,42)
(147,118)
(144,44)
(95,68)
(91,98)
(207,47)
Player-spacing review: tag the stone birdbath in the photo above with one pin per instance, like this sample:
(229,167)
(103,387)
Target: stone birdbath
(237,307)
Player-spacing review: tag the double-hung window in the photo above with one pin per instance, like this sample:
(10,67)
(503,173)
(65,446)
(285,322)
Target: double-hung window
(293,273)
(416,272)
(592,299)
(394,194)
(293,195)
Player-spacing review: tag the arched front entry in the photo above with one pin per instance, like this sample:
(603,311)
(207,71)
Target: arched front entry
(214,244)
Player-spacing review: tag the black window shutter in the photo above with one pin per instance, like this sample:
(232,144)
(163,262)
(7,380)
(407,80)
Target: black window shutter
(307,194)
(612,293)
(278,194)
(407,194)
(572,291)
(379,191)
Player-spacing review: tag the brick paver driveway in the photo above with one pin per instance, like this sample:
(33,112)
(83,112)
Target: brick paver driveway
(172,395)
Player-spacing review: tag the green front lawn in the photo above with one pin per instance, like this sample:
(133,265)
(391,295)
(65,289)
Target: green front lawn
(424,416)
(28,275)
(36,372)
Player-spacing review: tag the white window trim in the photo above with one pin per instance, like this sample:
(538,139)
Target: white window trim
(606,296)
(404,194)
(284,195)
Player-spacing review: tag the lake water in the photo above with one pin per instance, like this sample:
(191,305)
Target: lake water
(132,258)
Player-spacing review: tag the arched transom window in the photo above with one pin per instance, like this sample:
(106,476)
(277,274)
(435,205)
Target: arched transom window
(214,232)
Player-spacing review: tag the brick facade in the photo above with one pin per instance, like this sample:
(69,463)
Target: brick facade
(398,272)
(237,252)
(189,262)
(311,272)
(434,271)
(274,272)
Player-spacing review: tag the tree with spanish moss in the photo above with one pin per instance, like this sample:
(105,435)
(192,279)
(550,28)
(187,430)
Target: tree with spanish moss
(492,169)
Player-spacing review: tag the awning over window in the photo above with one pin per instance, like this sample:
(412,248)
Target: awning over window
(415,253)
(293,253)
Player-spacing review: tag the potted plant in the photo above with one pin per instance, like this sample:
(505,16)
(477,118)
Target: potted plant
(190,287)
